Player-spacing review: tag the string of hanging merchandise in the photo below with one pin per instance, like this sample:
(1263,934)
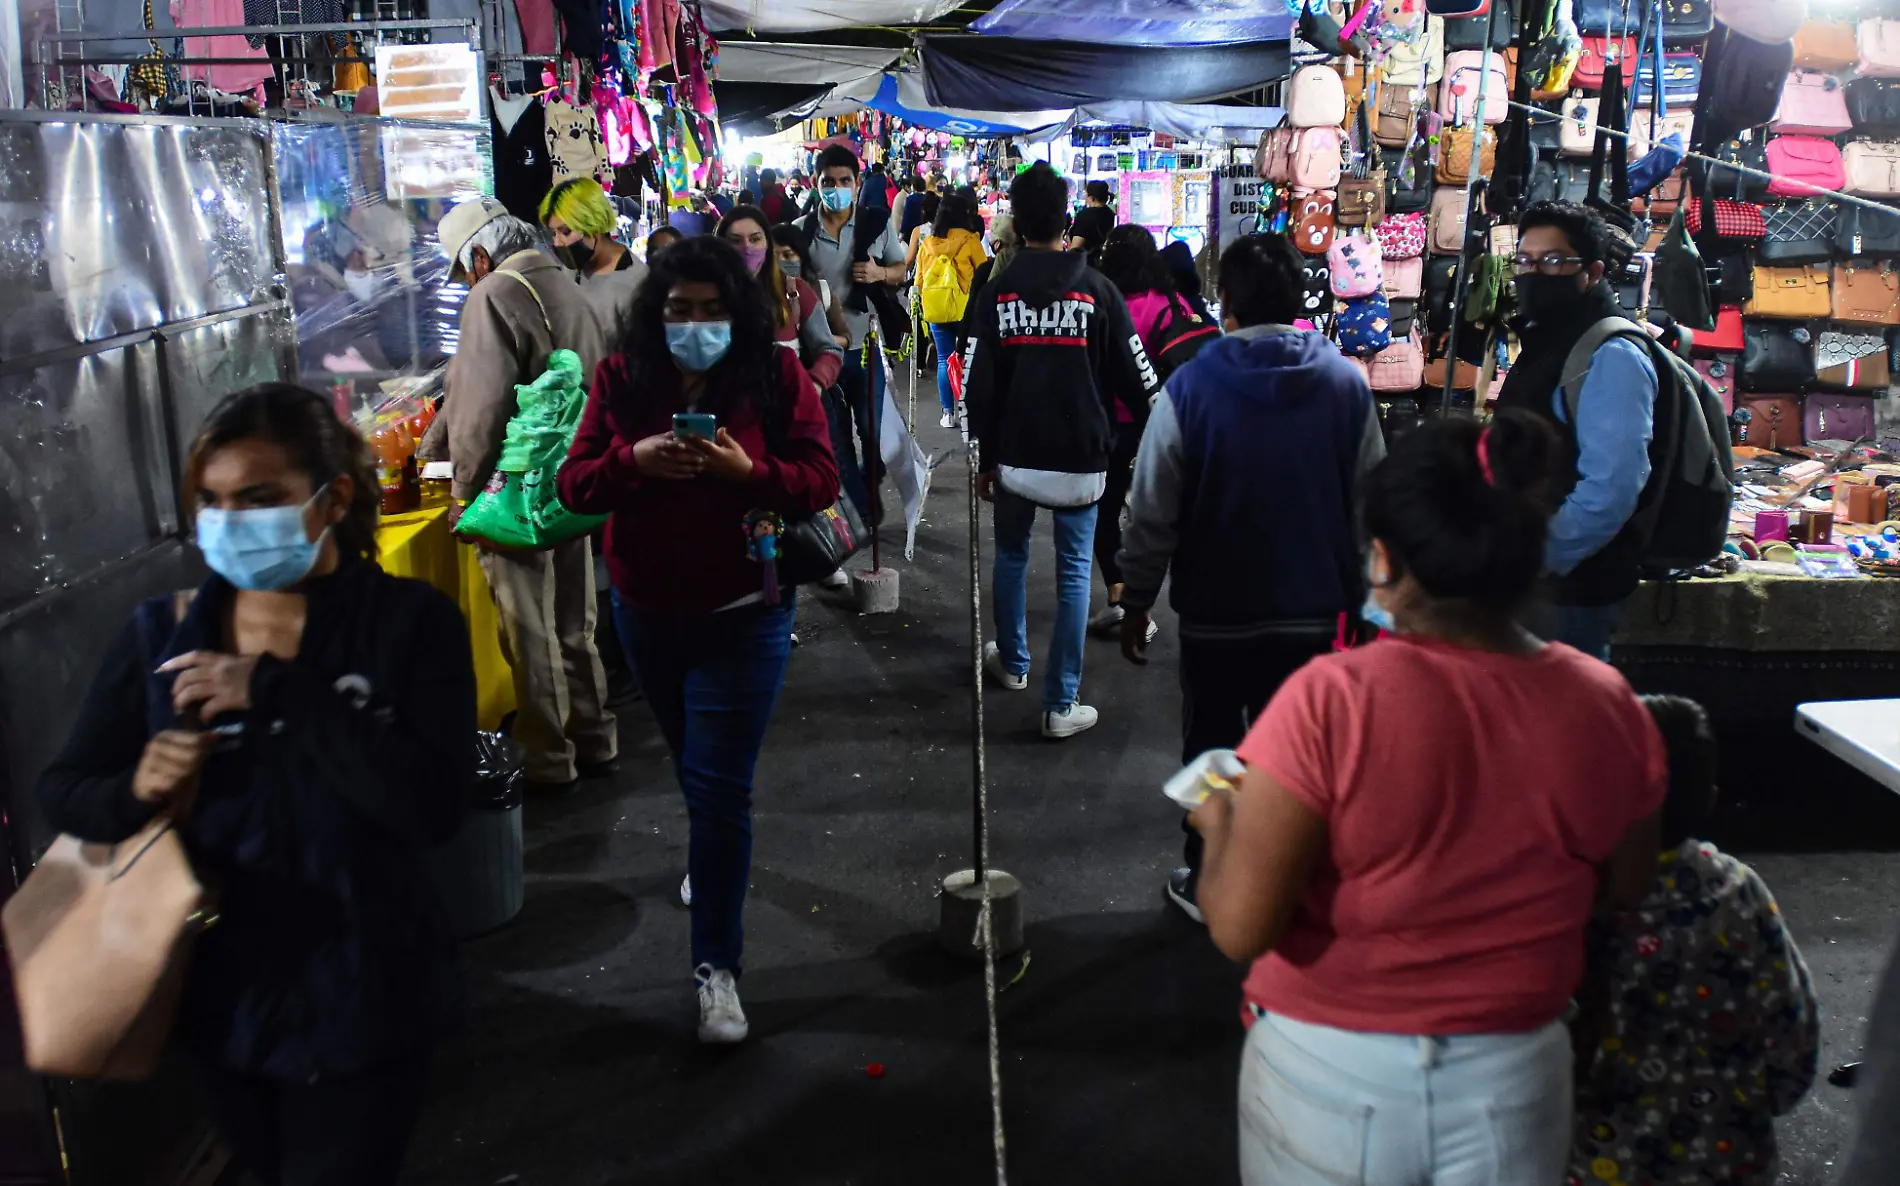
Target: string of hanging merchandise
(1816,191)
(986,932)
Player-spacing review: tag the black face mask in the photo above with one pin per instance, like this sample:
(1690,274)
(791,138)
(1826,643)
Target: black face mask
(1547,300)
(578,254)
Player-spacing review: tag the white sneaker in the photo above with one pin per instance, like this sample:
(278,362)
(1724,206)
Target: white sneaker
(721,1020)
(948,421)
(686,890)
(993,663)
(839,579)
(1107,620)
(1077,718)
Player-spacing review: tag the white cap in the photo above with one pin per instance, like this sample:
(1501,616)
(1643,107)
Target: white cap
(459,225)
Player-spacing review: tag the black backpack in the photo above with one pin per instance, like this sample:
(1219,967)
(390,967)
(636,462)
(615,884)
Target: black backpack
(1682,516)
(1176,336)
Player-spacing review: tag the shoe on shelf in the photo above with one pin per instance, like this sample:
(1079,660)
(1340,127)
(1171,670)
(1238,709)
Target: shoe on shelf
(949,421)
(1077,718)
(1181,891)
(839,579)
(686,890)
(993,663)
(1108,620)
(721,1020)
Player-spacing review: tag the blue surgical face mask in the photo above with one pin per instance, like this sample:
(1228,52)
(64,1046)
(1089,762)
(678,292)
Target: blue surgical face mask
(698,345)
(1374,614)
(792,268)
(837,199)
(263,549)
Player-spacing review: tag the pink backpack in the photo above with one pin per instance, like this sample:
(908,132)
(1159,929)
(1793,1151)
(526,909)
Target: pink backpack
(1316,98)
(1812,104)
(1879,43)
(1404,279)
(1316,162)
(1353,264)
(1273,160)
(1458,91)
(1399,367)
(1803,166)
(1401,236)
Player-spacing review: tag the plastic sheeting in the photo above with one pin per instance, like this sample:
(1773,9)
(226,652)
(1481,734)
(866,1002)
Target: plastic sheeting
(803,65)
(370,295)
(1007,74)
(814,16)
(1138,22)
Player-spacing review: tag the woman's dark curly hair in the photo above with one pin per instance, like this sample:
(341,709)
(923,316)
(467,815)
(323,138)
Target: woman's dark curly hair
(1132,263)
(746,367)
(304,425)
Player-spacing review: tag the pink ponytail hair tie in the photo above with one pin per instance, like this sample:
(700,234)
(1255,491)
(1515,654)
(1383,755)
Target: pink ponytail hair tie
(1484,458)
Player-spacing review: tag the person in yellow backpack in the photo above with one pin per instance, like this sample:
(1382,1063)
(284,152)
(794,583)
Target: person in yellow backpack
(946,261)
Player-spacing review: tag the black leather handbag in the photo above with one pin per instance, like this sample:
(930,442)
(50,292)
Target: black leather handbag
(1874,104)
(1798,233)
(1402,196)
(1687,20)
(1865,233)
(1731,275)
(1440,271)
(1777,356)
(813,547)
(1728,183)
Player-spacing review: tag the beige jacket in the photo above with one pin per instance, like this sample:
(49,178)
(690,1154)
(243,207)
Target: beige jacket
(505,341)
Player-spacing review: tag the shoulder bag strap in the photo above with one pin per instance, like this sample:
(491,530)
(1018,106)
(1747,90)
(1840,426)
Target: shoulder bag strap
(523,281)
(1577,362)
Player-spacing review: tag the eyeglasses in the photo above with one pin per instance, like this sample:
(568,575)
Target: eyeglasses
(1550,264)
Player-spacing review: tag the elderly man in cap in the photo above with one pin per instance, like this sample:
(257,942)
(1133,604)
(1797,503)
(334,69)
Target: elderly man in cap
(522,306)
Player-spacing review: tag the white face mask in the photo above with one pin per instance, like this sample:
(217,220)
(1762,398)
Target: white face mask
(363,286)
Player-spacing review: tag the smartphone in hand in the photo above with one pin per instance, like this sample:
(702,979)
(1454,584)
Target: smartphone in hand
(695,424)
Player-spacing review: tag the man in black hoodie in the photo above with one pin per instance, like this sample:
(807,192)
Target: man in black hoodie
(1051,348)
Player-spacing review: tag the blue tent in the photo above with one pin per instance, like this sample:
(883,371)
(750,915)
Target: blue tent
(907,102)
(1138,22)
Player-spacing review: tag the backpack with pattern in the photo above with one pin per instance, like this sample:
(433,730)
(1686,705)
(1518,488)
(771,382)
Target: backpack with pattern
(1365,325)
(1312,219)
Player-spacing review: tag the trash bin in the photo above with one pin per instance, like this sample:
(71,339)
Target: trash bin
(478,872)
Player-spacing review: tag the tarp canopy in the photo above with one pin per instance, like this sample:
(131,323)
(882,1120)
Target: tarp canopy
(803,65)
(747,107)
(1138,22)
(813,16)
(1207,122)
(981,73)
(902,95)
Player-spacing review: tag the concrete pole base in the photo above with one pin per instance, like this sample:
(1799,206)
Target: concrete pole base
(875,590)
(961,904)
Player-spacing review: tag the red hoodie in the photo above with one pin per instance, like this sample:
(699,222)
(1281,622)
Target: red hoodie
(679,547)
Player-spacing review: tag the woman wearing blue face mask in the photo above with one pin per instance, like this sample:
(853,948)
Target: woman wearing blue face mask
(709,637)
(305,721)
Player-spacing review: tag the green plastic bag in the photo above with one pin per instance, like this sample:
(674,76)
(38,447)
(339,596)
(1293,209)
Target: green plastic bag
(520,508)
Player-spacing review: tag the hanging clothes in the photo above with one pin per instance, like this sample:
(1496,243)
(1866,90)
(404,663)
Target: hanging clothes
(658,20)
(574,141)
(580,24)
(234,78)
(524,171)
(264,12)
(537,26)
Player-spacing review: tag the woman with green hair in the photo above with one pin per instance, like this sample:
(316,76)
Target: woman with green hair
(581,221)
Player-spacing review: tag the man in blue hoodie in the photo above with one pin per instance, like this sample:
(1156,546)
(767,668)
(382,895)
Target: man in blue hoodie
(1247,486)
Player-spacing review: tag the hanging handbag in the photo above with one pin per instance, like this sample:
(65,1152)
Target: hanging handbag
(1873,105)
(1774,420)
(1721,218)
(1812,104)
(1408,179)
(1362,187)
(1353,262)
(1417,63)
(100,935)
(1365,325)
(1731,269)
(1733,183)
(1871,168)
(1824,45)
(1552,60)
(1879,44)
(1600,17)
(1798,233)
(1776,357)
(1396,114)
(1791,294)
(1719,374)
(1861,232)
(1802,166)
(1681,281)
(1311,216)
(1404,279)
(1596,58)
(1454,153)
(1833,416)
(1868,295)
(1464,375)
(1852,358)
(1465,77)
(1687,20)
(1681,75)
(1468,29)
(1440,274)
(1316,296)
(1728,335)
(1404,313)
(1398,368)
(1448,221)
(1401,236)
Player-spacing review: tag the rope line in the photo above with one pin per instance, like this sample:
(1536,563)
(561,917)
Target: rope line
(985,928)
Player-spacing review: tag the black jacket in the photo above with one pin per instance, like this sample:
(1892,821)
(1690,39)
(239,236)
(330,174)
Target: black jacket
(1051,350)
(332,954)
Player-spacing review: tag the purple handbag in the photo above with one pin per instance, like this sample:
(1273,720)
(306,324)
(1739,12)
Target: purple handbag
(1834,416)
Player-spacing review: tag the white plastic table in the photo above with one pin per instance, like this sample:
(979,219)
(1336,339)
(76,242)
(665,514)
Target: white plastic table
(1863,733)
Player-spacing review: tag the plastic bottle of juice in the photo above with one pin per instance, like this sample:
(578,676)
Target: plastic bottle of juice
(411,471)
(387,449)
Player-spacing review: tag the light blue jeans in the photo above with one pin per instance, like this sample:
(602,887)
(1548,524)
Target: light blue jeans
(945,336)
(1328,1107)
(1075,532)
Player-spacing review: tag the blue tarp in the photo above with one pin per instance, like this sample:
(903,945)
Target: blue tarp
(892,100)
(1139,22)
(1011,74)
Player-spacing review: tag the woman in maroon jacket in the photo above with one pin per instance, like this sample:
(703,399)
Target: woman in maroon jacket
(709,642)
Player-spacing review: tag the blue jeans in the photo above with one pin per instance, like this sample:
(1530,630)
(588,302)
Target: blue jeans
(1586,627)
(712,680)
(945,336)
(847,404)
(1321,1106)
(1075,531)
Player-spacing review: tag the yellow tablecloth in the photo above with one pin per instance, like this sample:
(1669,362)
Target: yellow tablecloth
(418,544)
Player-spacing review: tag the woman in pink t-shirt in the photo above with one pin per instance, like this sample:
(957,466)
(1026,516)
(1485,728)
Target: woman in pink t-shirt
(1425,826)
